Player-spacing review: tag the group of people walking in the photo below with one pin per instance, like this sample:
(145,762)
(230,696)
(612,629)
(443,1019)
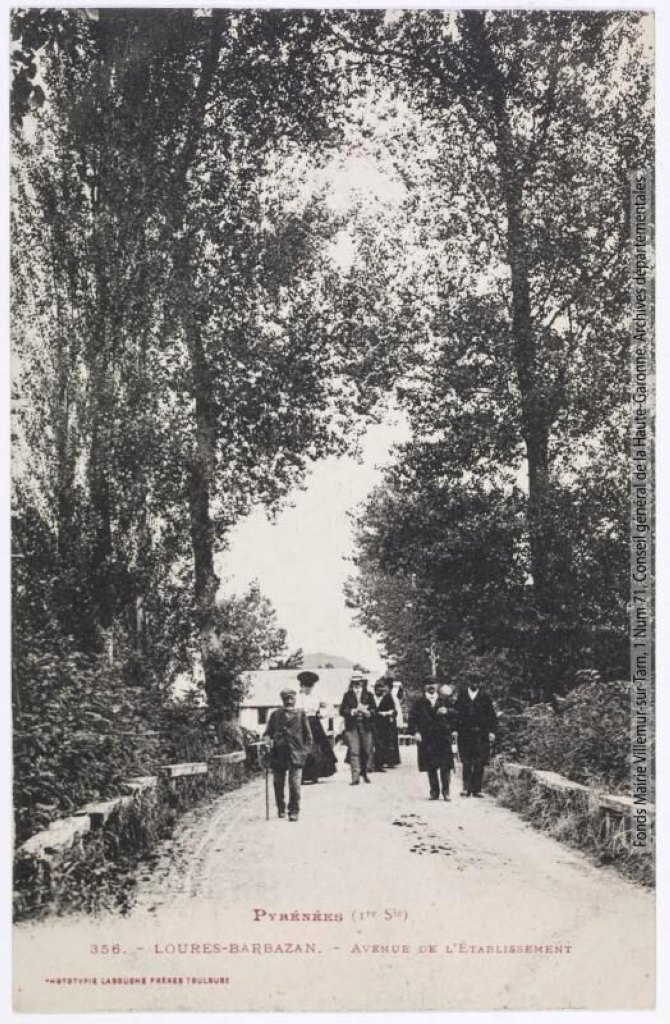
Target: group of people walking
(436,719)
(301,751)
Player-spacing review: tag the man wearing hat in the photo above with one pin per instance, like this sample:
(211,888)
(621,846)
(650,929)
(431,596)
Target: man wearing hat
(432,720)
(477,726)
(289,733)
(357,709)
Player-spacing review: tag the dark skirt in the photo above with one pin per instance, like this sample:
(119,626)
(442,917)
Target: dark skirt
(393,747)
(321,761)
(387,750)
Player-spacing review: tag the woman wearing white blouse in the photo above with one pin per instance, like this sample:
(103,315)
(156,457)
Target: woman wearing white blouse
(321,761)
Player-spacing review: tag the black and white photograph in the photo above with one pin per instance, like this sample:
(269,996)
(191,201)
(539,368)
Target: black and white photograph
(332,508)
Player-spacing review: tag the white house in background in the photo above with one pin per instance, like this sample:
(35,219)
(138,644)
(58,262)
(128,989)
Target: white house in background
(265,686)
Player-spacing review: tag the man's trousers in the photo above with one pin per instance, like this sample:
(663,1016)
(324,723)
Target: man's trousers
(473,774)
(435,781)
(294,773)
(360,751)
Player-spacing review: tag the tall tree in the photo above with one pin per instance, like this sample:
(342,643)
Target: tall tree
(439,562)
(532,123)
(442,574)
(211,344)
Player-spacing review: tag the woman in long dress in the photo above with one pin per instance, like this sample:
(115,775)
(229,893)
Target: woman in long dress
(391,707)
(321,761)
(380,727)
(387,752)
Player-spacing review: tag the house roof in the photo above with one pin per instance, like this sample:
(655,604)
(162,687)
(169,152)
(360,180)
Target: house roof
(265,685)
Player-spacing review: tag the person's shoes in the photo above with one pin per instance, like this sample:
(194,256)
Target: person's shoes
(465,792)
(366,779)
(479,795)
(281,814)
(434,796)
(354,782)
(293,816)
(445,796)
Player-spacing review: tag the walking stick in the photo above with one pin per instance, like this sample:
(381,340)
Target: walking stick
(267,786)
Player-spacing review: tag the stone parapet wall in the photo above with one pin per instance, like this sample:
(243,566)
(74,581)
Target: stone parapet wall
(584,816)
(77,862)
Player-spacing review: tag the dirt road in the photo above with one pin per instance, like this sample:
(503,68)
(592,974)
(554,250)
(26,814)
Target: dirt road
(401,903)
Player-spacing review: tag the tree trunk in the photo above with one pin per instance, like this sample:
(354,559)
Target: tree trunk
(535,427)
(203,462)
(201,475)
(534,416)
(101,397)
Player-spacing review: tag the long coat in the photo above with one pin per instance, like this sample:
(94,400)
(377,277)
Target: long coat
(291,737)
(476,719)
(434,750)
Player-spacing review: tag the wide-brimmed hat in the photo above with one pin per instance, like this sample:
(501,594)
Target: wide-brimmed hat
(307,678)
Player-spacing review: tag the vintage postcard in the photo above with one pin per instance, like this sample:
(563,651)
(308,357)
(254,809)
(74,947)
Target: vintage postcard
(333,419)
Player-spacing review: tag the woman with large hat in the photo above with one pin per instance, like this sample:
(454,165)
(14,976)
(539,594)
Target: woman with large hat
(321,761)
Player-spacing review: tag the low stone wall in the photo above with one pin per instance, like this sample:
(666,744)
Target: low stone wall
(86,861)
(600,823)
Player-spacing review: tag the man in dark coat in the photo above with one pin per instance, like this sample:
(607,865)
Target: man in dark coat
(357,709)
(477,726)
(291,738)
(432,721)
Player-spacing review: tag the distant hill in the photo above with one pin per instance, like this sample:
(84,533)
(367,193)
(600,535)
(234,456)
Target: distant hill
(321,660)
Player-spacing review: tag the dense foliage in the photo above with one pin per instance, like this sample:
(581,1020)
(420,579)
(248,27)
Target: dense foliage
(586,737)
(80,730)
